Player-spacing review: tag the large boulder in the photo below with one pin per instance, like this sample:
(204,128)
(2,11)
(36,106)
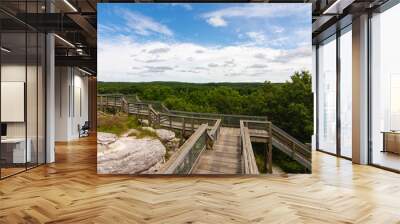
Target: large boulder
(150,129)
(106,138)
(165,135)
(129,155)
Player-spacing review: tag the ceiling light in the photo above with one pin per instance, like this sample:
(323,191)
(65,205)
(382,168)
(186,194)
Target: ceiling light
(5,50)
(70,5)
(337,7)
(84,71)
(64,40)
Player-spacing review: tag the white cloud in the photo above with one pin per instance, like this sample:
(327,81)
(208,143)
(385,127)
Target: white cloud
(257,37)
(123,59)
(143,25)
(279,29)
(257,10)
(216,21)
(186,6)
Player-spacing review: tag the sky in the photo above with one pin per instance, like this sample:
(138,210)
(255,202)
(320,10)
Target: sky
(203,43)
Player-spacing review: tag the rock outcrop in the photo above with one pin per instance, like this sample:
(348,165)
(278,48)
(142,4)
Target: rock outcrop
(165,135)
(129,155)
(106,138)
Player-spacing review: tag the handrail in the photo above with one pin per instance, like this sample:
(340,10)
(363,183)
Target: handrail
(249,160)
(183,161)
(165,108)
(265,126)
(189,117)
(288,136)
(214,132)
(228,120)
(154,117)
(299,151)
(218,115)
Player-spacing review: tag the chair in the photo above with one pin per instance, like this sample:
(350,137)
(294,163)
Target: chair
(84,130)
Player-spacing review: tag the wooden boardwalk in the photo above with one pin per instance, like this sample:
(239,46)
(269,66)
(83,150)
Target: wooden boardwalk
(225,157)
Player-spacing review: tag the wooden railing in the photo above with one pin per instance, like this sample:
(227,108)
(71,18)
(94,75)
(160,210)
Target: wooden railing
(214,132)
(291,146)
(248,159)
(227,120)
(187,156)
(185,123)
(259,129)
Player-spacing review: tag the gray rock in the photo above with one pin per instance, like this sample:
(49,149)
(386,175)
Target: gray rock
(106,138)
(129,155)
(165,135)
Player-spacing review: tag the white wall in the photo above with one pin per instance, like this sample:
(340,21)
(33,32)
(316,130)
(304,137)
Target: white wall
(71,87)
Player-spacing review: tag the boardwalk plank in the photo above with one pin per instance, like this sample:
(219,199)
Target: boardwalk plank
(225,157)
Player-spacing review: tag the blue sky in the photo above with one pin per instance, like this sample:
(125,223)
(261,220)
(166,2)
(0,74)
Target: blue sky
(203,42)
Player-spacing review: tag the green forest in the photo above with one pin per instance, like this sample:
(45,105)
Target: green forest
(289,105)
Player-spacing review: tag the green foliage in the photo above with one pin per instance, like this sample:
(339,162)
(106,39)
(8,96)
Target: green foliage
(280,159)
(287,164)
(116,124)
(143,133)
(110,110)
(288,105)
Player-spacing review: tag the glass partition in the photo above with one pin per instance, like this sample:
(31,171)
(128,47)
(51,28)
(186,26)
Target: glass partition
(327,95)
(346,93)
(385,89)
(14,153)
(22,88)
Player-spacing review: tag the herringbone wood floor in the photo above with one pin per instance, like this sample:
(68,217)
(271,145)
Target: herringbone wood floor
(70,191)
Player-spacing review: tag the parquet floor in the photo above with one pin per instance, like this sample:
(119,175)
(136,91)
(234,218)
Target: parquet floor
(70,191)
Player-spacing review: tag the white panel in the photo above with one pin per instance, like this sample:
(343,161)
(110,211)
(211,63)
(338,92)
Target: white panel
(12,101)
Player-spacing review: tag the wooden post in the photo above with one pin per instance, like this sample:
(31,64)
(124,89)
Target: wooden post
(170,122)
(149,116)
(270,148)
(183,130)
(192,124)
(102,103)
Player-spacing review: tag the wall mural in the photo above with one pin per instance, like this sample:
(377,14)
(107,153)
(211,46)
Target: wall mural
(204,88)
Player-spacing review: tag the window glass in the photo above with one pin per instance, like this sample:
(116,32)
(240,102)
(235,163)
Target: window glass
(346,93)
(327,96)
(385,89)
